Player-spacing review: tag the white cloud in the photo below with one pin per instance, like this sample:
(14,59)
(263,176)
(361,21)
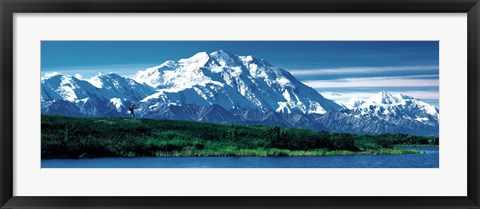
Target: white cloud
(394,81)
(359,70)
(343,97)
(89,71)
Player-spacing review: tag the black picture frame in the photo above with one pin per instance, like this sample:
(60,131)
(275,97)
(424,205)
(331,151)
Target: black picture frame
(9,7)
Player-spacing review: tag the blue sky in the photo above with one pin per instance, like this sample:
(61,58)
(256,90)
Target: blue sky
(337,69)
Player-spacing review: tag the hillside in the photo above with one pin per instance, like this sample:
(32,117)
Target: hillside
(72,137)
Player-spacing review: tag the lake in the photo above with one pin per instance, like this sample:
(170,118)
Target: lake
(430,159)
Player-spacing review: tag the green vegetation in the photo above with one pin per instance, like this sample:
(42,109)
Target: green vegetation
(70,137)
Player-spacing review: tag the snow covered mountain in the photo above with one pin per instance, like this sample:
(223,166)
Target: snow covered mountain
(384,113)
(222,87)
(385,105)
(103,95)
(231,82)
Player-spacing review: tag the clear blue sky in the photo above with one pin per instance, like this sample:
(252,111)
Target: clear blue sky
(337,69)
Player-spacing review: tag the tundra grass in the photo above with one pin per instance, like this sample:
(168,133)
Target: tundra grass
(71,137)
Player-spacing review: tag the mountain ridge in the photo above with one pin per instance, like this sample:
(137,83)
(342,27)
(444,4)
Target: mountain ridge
(254,82)
(226,88)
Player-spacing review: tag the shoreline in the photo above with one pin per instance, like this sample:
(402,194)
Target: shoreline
(416,145)
(266,153)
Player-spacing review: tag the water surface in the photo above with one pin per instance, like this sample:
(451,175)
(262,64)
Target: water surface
(430,159)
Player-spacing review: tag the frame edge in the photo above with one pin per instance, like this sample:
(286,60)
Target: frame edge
(6,93)
(6,114)
(473,21)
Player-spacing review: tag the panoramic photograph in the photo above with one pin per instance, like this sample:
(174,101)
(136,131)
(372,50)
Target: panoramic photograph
(239,104)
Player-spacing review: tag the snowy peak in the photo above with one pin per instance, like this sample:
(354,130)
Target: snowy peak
(99,80)
(202,67)
(231,81)
(49,75)
(386,106)
(100,87)
(383,98)
(154,76)
(386,99)
(65,87)
(225,58)
(196,61)
(110,80)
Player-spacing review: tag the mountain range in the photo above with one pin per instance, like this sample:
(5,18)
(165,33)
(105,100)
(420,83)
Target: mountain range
(222,87)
